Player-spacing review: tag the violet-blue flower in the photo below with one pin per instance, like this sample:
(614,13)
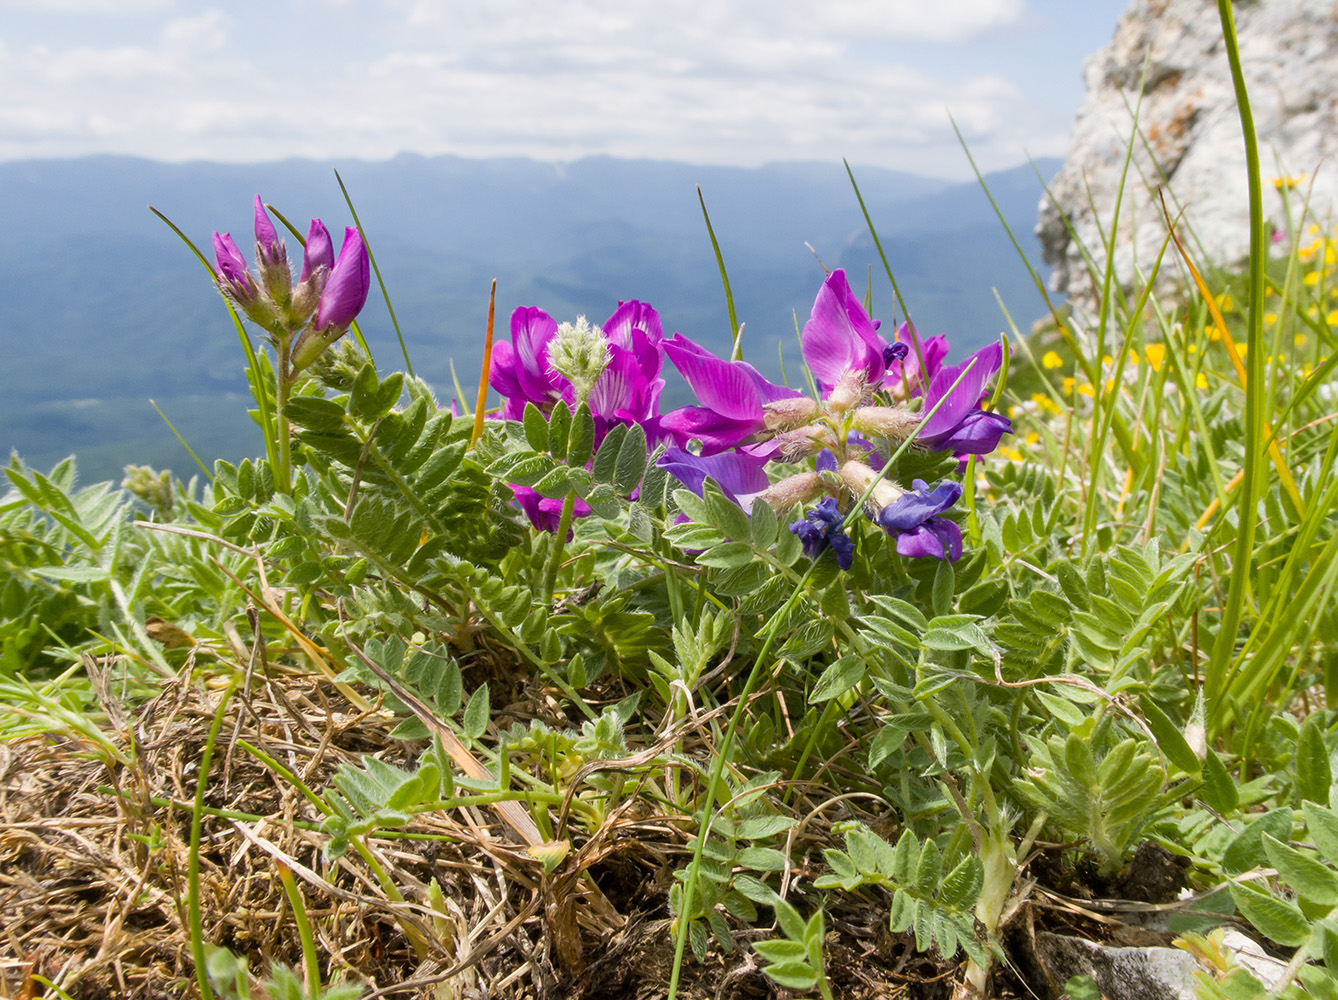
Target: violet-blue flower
(733,397)
(823,526)
(914,521)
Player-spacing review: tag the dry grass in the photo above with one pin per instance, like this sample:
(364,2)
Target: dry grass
(94,856)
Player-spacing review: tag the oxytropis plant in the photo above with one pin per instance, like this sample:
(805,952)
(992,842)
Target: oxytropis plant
(874,398)
(300,321)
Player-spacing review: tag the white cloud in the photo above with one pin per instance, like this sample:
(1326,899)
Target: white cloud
(706,80)
(124,7)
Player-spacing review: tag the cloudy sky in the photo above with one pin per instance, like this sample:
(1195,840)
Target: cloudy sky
(708,81)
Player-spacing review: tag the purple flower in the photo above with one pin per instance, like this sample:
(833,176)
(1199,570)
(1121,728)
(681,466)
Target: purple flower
(346,290)
(905,379)
(234,277)
(628,390)
(914,522)
(268,248)
(840,340)
(740,476)
(959,424)
(318,252)
(734,397)
(823,527)
(546,513)
(519,370)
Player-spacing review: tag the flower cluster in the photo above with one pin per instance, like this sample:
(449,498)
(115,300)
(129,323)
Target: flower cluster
(614,369)
(329,294)
(874,396)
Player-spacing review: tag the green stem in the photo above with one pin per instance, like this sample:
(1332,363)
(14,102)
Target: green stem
(559,546)
(311,961)
(283,387)
(717,771)
(1255,469)
(193,863)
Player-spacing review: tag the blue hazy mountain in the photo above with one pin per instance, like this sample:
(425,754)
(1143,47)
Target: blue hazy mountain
(102,308)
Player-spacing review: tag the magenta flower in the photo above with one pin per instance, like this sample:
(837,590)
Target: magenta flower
(318,252)
(914,521)
(839,339)
(628,391)
(740,476)
(959,424)
(234,277)
(734,397)
(905,379)
(519,370)
(269,250)
(346,290)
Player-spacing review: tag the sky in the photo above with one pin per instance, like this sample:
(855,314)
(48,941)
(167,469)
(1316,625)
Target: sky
(739,82)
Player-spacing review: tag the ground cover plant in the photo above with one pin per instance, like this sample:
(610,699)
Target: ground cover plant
(863,683)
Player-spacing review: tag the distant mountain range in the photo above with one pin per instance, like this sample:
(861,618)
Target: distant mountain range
(102,308)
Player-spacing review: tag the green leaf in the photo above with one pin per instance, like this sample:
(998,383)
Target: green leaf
(1303,872)
(1246,849)
(839,678)
(765,525)
(951,632)
(780,951)
(762,827)
(944,584)
(559,426)
(1219,789)
(1313,776)
(475,722)
(789,919)
(1322,826)
(536,428)
(581,437)
(807,639)
(761,859)
(792,975)
(1170,740)
(730,555)
(631,464)
(1276,919)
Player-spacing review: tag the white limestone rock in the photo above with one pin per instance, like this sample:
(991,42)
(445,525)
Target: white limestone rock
(1190,128)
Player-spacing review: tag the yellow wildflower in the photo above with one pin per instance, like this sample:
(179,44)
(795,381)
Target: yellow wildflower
(1156,355)
(1201,381)
(1051,359)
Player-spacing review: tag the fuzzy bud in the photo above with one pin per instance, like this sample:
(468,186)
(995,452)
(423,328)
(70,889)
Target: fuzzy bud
(848,391)
(800,488)
(580,353)
(787,414)
(885,421)
(272,259)
(857,476)
(798,444)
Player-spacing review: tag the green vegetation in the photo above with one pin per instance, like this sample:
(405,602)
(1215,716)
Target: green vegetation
(375,735)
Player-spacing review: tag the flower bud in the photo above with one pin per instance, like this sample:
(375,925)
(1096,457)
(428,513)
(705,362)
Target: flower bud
(237,284)
(580,353)
(787,414)
(792,446)
(848,391)
(799,488)
(341,300)
(885,421)
(272,259)
(857,476)
(317,259)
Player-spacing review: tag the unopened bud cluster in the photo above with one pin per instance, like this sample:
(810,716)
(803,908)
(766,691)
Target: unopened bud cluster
(580,353)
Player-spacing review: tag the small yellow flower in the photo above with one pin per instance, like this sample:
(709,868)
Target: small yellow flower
(1332,318)
(1312,229)
(1051,359)
(1225,302)
(1107,360)
(1156,355)
(1193,348)
(1312,278)
(1086,389)
(1069,383)
(1270,319)
(1299,340)
(1201,381)
(1012,454)
(1033,438)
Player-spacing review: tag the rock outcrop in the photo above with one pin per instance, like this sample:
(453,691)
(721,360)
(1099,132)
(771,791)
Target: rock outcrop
(1189,135)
